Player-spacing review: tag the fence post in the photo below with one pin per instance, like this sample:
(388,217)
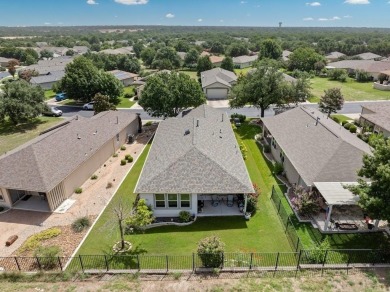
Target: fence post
(59,263)
(223,260)
(81,263)
(272,193)
(280,203)
(138,265)
(323,262)
(17,263)
(39,264)
(277,263)
(288,222)
(250,265)
(348,261)
(193,262)
(105,259)
(296,249)
(298,263)
(166,257)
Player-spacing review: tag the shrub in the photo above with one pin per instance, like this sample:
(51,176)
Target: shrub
(123,147)
(115,155)
(109,185)
(382,77)
(78,190)
(356,122)
(129,158)
(336,119)
(338,74)
(360,136)
(80,224)
(347,126)
(127,95)
(316,255)
(123,162)
(242,118)
(136,97)
(267,148)
(94,177)
(253,199)
(184,216)
(306,202)
(344,122)
(210,251)
(363,76)
(149,123)
(243,150)
(278,168)
(353,128)
(48,256)
(142,216)
(33,241)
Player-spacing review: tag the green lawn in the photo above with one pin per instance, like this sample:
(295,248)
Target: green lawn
(263,233)
(190,73)
(243,71)
(125,102)
(352,90)
(342,118)
(49,94)
(12,136)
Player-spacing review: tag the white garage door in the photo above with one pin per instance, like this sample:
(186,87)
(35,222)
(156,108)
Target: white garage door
(217,93)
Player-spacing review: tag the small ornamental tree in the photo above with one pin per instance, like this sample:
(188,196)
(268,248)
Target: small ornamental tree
(227,64)
(331,101)
(141,217)
(11,67)
(210,252)
(204,64)
(102,103)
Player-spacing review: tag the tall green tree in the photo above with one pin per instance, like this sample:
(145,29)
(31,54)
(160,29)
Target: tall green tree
(217,48)
(46,54)
(204,64)
(237,49)
(375,196)
(168,94)
(21,102)
(270,49)
(304,59)
(11,67)
(137,48)
(191,58)
(227,64)
(147,56)
(166,58)
(102,103)
(331,101)
(260,88)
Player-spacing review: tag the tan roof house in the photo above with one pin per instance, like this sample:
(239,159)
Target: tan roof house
(216,60)
(244,61)
(217,83)
(374,68)
(334,56)
(41,174)
(126,78)
(377,116)
(195,164)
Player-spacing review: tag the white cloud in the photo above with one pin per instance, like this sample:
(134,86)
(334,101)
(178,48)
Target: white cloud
(329,19)
(313,4)
(200,20)
(47,23)
(357,2)
(92,2)
(170,15)
(243,2)
(347,16)
(308,19)
(132,2)
(221,20)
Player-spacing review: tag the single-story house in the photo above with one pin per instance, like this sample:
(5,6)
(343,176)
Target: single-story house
(48,80)
(217,82)
(41,174)
(182,55)
(141,82)
(80,50)
(126,78)
(372,67)
(57,51)
(377,116)
(4,61)
(334,56)
(195,164)
(4,74)
(313,148)
(119,51)
(41,44)
(244,61)
(285,55)
(368,56)
(216,60)
(46,66)
(205,53)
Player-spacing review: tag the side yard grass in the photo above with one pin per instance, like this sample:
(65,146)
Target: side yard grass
(190,73)
(243,71)
(49,94)
(12,136)
(352,90)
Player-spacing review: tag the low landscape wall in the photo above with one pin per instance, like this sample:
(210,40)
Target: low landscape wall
(381,86)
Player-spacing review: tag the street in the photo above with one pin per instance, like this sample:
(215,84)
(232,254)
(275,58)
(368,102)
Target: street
(251,112)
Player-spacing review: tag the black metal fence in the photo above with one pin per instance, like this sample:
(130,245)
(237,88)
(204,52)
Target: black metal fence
(276,261)
(285,218)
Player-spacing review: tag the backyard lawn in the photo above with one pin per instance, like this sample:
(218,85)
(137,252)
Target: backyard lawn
(342,118)
(49,94)
(263,233)
(352,90)
(192,74)
(242,71)
(12,136)
(125,102)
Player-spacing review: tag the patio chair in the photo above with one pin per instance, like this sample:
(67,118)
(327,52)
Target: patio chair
(214,200)
(230,202)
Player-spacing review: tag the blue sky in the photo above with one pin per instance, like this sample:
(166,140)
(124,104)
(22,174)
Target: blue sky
(353,13)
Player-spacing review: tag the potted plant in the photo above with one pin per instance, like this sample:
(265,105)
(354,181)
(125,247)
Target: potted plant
(248,215)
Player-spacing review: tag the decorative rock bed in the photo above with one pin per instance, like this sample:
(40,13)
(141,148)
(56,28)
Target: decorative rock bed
(117,247)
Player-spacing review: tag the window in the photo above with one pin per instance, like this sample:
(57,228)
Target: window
(282,156)
(160,200)
(172,201)
(117,137)
(185,201)
(273,143)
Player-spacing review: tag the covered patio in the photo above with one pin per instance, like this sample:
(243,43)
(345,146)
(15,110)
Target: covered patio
(221,205)
(343,215)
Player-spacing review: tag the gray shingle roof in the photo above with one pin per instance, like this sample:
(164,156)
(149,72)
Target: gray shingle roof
(207,160)
(45,161)
(334,55)
(366,65)
(122,75)
(368,56)
(380,115)
(51,77)
(217,75)
(244,59)
(325,152)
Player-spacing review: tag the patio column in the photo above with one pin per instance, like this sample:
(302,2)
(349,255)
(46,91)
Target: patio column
(246,202)
(376,223)
(329,214)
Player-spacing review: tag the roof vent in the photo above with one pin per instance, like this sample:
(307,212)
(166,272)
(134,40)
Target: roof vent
(187,132)
(78,136)
(95,132)
(317,120)
(197,122)
(222,118)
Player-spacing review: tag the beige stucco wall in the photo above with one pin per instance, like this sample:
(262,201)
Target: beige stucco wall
(170,212)
(7,200)
(86,170)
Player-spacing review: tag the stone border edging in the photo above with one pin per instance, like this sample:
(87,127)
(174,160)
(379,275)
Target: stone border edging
(153,225)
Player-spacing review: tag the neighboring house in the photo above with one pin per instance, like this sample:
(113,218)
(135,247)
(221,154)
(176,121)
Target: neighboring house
(80,50)
(285,55)
(313,148)
(217,82)
(57,51)
(334,56)
(126,78)
(199,43)
(46,66)
(377,116)
(41,174)
(48,80)
(368,56)
(372,67)
(4,61)
(205,53)
(244,61)
(119,51)
(289,78)
(182,55)
(41,44)
(194,160)
(141,82)
(4,74)
(216,60)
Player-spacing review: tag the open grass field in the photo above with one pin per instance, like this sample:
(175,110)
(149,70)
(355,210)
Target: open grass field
(12,136)
(352,90)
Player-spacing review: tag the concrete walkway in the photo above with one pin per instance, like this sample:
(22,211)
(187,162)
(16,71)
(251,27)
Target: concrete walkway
(94,198)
